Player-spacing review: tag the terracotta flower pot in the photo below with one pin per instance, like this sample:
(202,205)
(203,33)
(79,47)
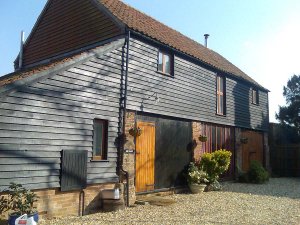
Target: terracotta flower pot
(197,188)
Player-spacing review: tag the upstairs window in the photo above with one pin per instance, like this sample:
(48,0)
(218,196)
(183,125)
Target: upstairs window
(100,134)
(165,63)
(220,95)
(254,96)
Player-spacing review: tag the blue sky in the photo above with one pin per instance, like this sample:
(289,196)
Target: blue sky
(261,37)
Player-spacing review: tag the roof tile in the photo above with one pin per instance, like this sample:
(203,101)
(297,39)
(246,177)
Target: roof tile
(150,27)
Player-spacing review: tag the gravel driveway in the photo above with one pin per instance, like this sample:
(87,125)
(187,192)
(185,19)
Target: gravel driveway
(277,202)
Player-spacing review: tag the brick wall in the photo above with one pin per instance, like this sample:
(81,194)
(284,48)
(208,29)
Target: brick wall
(54,203)
(196,126)
(129,155)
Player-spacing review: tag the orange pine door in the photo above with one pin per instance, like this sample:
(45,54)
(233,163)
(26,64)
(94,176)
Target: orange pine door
(145,156)
(253,149)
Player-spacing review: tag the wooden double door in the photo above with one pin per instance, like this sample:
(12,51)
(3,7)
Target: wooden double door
(162,152)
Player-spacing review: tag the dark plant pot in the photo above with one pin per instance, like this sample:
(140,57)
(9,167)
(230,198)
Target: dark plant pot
(12,218)
(202,138)
(35,216)
(244,140)
(135,132)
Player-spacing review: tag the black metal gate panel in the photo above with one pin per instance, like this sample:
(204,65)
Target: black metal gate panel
(73,170)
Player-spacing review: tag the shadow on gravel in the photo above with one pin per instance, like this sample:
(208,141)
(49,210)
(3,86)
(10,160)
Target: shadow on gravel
(277,187)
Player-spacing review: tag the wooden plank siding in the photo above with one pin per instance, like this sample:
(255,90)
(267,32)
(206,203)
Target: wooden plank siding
(40,120)
(191,93)
(66,26)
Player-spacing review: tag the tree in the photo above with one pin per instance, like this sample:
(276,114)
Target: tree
(289,114)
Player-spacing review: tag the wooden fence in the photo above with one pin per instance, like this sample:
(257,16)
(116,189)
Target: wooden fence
(285,160)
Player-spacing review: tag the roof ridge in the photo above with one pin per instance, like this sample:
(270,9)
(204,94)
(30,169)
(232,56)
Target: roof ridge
(78,56)
(151,27)
(128,5)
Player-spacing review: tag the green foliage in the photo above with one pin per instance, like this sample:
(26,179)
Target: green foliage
(19,200)
(196,175)
(289,114)
(257,174)
(216,163)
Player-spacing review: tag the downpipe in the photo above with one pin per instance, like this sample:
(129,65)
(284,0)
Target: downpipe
(124,121)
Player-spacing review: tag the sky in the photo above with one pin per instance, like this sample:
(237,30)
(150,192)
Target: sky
(261,37)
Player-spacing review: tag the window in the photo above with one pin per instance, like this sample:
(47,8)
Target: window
(100,139)
(165,63)
(254,96)
(220,95)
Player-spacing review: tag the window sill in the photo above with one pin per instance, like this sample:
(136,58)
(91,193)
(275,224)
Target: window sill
(254,103)
(222,115)
(165,74)
(99,160)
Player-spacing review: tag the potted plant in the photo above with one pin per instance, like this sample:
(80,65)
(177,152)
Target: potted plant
(196,178)
(135,131)
(18,202)
(202,138)
(244,140)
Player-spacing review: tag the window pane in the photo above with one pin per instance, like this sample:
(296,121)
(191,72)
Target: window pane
(221,83)
(220,95)
(160,62)
(98,138)
(221,104)
(254,97)
(167,64)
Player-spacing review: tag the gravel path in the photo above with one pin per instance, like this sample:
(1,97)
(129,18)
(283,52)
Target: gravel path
(277,202)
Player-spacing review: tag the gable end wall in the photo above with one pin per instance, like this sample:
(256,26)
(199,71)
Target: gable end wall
(66,26)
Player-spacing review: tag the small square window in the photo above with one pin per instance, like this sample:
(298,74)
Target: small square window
(100,139)
(254,96)
(165,63)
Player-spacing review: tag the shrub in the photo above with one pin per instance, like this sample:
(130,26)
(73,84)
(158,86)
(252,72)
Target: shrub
(216,163)
(19,200)
(257,174)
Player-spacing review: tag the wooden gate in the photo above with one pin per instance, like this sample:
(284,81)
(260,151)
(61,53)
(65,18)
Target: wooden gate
(252,149)
(220,137)
(145,156)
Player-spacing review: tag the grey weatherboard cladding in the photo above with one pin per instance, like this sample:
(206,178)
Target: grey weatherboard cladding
(41,119)
(191,93)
